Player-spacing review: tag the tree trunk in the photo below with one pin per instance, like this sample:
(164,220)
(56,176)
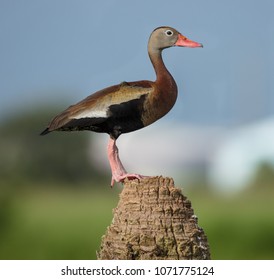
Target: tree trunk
(153,221)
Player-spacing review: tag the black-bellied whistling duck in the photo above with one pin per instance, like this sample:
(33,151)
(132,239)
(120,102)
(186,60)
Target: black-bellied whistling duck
(128,106)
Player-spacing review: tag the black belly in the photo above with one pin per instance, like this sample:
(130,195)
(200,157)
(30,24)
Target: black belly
(121,118)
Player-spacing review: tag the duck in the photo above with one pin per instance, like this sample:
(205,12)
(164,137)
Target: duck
(128,106)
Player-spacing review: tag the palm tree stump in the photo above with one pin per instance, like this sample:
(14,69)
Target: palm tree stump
(153,221)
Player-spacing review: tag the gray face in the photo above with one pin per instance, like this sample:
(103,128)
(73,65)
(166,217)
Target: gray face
(163,37)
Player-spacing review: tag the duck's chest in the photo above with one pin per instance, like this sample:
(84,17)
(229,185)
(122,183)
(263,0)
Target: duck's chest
(159,103)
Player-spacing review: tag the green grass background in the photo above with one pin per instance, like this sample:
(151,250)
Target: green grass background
(64,223)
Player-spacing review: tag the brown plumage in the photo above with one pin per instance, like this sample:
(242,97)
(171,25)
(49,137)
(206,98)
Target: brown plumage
(128,106)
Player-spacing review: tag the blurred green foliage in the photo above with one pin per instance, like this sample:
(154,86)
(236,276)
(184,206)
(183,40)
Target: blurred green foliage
(54,224)
(54,205)
(69,223)
(239,227)
(56,157)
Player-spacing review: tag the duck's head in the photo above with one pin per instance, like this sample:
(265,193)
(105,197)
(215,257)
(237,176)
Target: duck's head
(165,37)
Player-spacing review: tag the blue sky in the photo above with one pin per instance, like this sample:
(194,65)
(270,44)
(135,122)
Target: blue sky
(61,51)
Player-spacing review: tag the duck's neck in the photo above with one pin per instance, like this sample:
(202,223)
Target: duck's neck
(163,77)
(165,90)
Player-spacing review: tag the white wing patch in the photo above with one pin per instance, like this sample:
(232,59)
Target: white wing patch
(90,114)
(101,108)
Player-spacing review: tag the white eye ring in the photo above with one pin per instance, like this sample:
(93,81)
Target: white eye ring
(169,32)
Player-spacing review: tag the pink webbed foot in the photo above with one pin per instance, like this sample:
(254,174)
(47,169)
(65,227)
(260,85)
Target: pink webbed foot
(119,174)
(121,178)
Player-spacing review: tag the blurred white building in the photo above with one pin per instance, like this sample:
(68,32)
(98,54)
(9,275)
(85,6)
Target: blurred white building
(228,157)
(168,149)
(236,161)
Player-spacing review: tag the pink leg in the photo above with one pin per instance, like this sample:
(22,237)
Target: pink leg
(118,171)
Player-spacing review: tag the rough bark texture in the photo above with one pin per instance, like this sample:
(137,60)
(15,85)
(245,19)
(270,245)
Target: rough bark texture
(153,220)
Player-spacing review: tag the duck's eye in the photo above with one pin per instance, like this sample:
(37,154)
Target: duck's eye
(169,32)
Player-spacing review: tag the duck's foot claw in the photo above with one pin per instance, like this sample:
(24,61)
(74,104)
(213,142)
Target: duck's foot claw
(129,176)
